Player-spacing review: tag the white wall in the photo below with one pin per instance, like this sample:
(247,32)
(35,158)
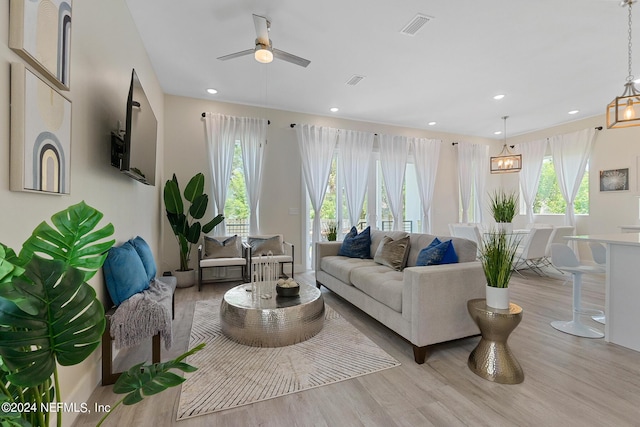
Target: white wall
(105,46)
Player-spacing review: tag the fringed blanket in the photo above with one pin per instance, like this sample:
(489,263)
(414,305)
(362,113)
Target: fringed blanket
(143,315)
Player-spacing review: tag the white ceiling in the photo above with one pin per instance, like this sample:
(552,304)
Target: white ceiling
(547,56)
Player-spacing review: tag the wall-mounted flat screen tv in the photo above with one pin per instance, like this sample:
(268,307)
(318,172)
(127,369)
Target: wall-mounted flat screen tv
(134,153)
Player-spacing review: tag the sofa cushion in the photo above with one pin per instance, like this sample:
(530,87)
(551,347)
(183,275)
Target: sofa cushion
(124,273)
(381,283)
(356,245)
(228,248)
(392,253)
(341,267)
(264,245)
(146,256)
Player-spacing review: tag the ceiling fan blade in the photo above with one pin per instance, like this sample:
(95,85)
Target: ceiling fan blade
(236,55)
(262,29)
(280,54)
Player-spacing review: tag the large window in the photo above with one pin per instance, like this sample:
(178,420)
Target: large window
(549,199)
(236,210)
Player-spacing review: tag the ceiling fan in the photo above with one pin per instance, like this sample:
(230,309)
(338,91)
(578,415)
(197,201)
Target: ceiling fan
(264,51)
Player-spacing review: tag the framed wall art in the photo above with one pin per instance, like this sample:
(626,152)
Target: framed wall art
(614,180)
(40,32)
(40,135)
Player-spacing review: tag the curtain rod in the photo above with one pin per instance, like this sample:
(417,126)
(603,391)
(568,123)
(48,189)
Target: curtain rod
(512,146)
(292,125)
(205,115)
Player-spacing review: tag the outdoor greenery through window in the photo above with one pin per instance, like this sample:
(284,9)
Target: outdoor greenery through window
(549,199)
(236,209)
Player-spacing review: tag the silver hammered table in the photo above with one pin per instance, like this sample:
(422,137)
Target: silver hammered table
(271,322)
(492,359)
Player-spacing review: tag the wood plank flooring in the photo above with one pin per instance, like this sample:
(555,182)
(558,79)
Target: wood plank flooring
(569,381)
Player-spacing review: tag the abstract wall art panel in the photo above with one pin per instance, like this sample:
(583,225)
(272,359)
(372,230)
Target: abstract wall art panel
(614,180)
(40,135)
(40,32)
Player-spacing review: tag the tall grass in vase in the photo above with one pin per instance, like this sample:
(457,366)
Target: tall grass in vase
(496,255)
(503,206)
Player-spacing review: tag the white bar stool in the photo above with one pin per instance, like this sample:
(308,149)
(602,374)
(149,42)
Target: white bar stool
(564,259)
(599,253)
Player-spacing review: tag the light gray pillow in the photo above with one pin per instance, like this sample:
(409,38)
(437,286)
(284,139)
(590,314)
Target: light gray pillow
(262,246)
(229,248)
(392,253)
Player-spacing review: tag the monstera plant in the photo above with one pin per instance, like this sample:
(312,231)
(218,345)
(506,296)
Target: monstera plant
(50,315)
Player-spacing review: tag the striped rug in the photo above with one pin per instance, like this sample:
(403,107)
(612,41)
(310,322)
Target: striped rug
(231,375)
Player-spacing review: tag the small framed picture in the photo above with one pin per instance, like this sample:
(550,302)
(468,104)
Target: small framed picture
(40,135)
(40,32)
(614,180)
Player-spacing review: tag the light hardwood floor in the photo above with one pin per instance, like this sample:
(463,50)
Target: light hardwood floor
(569,381)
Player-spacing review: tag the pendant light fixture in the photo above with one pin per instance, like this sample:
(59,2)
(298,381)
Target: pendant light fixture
(624,110)
(506,161)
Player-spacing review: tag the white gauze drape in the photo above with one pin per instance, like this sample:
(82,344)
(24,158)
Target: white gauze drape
(480,169)
(221,138)
(570,156)
(465,176)
(426,153)
(355,150)
(317,144)
(253,140)
(394,151)
(532,157)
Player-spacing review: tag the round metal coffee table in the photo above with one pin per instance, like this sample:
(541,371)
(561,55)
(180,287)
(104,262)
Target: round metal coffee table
(272,322)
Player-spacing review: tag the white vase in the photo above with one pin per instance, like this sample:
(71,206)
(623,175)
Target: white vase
(497,297)
(507,227)
(185,279)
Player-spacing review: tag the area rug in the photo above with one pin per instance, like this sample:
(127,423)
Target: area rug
(231,374)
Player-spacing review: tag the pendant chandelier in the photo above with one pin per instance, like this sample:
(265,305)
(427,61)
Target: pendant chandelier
(506,161)
(624,110)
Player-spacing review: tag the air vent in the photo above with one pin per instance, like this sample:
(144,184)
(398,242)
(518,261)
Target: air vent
(354,80)
(418,21)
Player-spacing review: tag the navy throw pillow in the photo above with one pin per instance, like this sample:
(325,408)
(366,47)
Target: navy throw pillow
(356,245)
(145,254)
(450,256)
(437,253)
(124,273)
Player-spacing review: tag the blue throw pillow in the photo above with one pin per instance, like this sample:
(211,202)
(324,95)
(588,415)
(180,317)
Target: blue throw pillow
(437,253)
(145,254)
(124,273)
(356,245)
(450,256)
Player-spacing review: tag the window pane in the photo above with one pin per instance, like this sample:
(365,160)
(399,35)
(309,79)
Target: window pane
(236,209)
(549,199)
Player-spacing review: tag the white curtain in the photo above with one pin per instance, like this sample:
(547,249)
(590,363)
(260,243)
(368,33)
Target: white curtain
(394,151)
(481,168)
(355,150)
(532,157)
(465,176)
(570,156)
(316,144)
(221,138)
(426,153)
(253,140)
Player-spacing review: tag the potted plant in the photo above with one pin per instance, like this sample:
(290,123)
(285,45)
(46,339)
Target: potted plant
(332,231)
(503,207)
(497,252)
(184,222)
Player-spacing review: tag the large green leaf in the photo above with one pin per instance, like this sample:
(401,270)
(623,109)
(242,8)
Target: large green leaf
(211,224)
(9,269)
(67,327)
(172,198)
(141,381)
(199,206)
(73,240)
(194,233)
(195,187)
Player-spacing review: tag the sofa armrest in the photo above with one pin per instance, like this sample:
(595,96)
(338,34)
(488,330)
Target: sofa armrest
(434,300)
(323,249)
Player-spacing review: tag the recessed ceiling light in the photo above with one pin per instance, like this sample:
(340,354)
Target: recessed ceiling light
(498,132)
(574,111)
(212,91)
(334,109)
(431,123)
(498,97)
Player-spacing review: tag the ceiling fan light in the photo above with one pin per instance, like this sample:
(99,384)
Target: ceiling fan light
(263,55)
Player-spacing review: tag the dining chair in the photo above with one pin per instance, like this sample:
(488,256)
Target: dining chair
(599,254)
(564,259)
(532,251)
(467,231)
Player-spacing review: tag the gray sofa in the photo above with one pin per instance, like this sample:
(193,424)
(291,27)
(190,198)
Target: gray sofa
(424,305)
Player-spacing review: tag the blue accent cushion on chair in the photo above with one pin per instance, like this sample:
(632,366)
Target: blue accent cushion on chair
(145,254)
(124,273)
(356,245)
(437,253)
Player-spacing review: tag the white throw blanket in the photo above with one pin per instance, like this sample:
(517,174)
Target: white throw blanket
(143,315)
